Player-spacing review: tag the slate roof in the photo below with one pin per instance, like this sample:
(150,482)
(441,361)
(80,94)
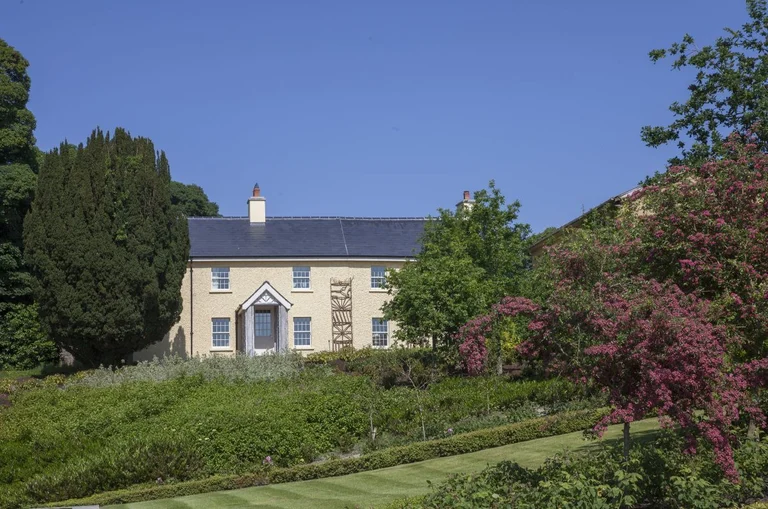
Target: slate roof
(310,237)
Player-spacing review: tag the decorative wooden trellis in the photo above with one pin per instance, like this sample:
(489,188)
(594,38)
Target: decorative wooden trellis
(341,313)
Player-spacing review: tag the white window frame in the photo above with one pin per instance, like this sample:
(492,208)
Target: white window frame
(379,333)
(219,335)
(378,277)
(219,282)
(306,334)
(301,280)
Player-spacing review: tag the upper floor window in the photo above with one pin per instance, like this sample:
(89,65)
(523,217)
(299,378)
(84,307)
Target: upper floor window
(378,277)
(220,332)
(220,278)
(380,328)
(302,331)
(301,277)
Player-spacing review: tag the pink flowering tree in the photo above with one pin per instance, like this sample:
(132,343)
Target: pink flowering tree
(657,351)
(652,348)
(706,229)
(476,337)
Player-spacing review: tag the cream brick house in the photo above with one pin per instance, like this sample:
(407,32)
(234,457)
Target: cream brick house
(259,284)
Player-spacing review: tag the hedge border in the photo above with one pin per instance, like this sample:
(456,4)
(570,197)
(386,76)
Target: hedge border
(557,424)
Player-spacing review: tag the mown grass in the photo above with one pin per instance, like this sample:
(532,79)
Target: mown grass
(383,486)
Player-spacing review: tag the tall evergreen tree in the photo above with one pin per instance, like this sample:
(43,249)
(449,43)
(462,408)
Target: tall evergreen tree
(22,343)
(108,248)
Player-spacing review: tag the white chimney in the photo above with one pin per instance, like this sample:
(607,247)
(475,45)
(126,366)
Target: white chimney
(257,206)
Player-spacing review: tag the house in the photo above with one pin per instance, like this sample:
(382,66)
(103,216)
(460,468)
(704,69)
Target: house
(537,249)
(260,284)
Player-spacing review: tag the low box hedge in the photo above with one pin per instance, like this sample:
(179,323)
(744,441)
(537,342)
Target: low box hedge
(557,424)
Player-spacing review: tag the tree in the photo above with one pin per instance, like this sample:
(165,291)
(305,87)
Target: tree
(107,247)
(651,347)
(22,347)
(729,92)
(470,258)
(433,295)
(192,200)
(657,350)
(705,229)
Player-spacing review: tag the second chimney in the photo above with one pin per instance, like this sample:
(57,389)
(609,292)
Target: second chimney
(257,207)
(466,203)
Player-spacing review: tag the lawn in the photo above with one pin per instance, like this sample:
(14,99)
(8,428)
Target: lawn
(382,486)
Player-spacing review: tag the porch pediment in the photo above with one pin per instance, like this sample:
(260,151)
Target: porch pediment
(266,294)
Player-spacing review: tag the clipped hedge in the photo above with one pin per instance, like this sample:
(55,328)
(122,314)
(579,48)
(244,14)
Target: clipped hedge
(558,424)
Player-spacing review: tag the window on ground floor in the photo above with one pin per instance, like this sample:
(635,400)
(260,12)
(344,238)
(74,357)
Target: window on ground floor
(220,332)
(380,329)
(302,331)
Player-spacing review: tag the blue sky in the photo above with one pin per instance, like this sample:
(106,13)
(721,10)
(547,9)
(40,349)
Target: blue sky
(362,108)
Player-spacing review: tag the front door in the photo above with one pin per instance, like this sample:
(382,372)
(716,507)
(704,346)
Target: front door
(264,334)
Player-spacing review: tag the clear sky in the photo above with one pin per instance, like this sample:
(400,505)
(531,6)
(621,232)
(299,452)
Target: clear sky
(363,108)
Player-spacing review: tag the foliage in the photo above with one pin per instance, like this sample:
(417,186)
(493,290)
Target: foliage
(657,351)
(666,310)
(420,451)
(107,247)
(727,95)
(474,335)
(21,341)
(89,426)
(655,476)
(239,368)
(23,345)
(470,258)
(652,349)
(705,228)
(192,200)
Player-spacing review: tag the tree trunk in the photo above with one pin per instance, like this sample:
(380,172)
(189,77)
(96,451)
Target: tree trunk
(423,427)
(752,430)
(499,364)
(626,441)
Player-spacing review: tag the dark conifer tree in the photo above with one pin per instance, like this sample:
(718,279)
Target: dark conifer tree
(107,247)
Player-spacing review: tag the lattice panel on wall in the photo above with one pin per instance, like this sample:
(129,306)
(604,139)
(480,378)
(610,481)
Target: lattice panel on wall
(341,313)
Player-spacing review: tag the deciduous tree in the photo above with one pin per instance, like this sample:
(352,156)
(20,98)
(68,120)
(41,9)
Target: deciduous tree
(192,200)
(729,92)
(470,258)
(18,168)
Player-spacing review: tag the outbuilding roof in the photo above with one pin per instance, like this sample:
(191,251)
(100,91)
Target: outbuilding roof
(305,237)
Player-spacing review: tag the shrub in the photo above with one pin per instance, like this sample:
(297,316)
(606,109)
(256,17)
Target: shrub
(119,464)
(656,475)
(238,368)
(420,451)
(23,344)
(54,436)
